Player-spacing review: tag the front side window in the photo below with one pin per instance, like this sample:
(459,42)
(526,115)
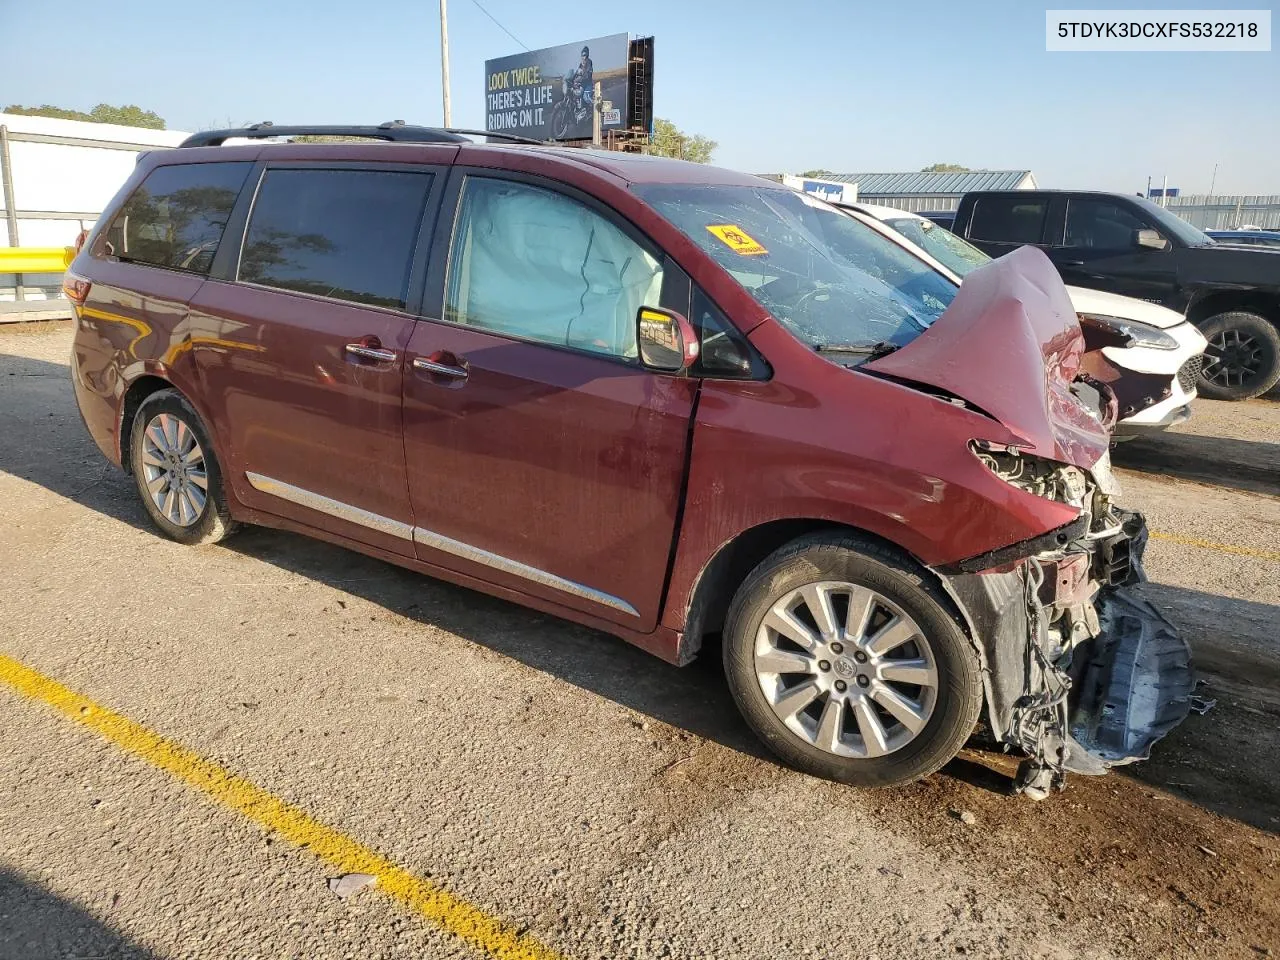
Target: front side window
(343,234)
(176,216)
(1101,225)
(1171,224)
(535,264)
(724,350)
(832,281)
(957,255)
(1008,219)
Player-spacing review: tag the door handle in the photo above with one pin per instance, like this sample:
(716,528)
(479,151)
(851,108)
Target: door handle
(428,365)
(371,351)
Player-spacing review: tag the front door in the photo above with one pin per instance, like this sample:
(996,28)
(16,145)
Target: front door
(302,353)
(1099,251)
(542,457)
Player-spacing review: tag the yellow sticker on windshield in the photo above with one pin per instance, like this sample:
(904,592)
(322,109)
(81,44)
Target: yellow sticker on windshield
(736,239)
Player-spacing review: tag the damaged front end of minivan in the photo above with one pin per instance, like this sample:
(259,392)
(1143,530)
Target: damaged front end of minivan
(1082,673)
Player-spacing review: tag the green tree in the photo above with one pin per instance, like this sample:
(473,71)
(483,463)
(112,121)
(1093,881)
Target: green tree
(46,110)
(818,173)
(129,115)
(945,168)
(670,141)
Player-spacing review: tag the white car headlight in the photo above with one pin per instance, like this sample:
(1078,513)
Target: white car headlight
(1134,334)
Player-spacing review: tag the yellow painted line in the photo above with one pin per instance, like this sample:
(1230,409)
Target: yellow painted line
(490,935)
(1220,547)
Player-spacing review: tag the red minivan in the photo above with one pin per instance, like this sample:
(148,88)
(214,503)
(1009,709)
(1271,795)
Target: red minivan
(666,400)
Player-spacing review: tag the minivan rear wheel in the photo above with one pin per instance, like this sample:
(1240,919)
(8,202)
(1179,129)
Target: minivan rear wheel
(1242,359)
(845,661)
(176,472)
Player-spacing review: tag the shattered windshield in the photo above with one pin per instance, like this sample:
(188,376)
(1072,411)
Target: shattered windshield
(834,282)
(957,255)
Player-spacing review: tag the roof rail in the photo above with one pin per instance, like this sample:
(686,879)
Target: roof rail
(501,136)
(395,130)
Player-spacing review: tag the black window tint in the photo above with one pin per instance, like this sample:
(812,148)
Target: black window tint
(1007,219)
(347,234)
(724,350)
(176,216)
(1101,225)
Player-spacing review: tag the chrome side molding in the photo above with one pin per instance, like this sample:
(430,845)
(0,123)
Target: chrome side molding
(334,508)
(445,544)
(436,541)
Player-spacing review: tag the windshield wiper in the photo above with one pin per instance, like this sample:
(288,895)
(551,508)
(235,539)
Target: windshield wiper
(871,350)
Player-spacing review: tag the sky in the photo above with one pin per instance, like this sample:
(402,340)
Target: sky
(782,87)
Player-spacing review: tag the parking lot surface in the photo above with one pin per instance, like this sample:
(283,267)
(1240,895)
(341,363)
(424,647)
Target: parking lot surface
(585,799)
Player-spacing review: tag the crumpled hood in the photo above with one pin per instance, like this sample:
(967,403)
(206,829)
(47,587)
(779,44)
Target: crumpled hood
(1126,308)
(1010,345)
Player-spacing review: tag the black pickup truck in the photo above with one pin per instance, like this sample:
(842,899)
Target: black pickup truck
(1130,246)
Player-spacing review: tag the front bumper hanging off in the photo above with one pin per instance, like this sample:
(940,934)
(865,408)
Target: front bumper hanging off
(1082,673)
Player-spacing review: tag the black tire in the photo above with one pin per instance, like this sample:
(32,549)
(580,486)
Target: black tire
(212,522)
(1250,346)
(561,118)
(851,559)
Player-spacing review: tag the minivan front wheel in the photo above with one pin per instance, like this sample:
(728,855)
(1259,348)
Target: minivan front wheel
(177,474)
(847,664)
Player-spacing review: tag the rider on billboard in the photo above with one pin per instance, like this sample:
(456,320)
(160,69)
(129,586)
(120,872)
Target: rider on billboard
(579,78)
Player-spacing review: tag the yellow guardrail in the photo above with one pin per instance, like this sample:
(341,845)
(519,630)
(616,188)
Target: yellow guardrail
(35,259)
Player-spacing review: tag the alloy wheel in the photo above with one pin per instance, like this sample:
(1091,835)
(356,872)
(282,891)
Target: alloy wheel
(846,669)
(1232,358)
(174,471)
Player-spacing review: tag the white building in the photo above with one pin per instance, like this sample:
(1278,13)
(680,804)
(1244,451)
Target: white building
(57,177)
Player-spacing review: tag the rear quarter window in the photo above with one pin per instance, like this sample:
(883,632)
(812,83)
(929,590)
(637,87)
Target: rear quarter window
(1008,219)
(177,216)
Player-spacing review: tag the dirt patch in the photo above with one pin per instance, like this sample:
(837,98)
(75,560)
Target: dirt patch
(1222,461)
(35,328)
(1165,877)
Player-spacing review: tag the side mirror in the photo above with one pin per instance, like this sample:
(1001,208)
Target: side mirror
(1150,240)
(666,339)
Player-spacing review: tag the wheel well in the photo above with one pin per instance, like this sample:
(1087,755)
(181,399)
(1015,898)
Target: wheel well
(138,391)
(1212,304)
(722,576)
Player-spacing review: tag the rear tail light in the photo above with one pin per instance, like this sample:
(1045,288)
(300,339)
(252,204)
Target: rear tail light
(76,288)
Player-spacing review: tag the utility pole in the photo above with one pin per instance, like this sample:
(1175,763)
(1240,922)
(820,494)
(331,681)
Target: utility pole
(1164,189)
(596,118)
(444,61)
(1209,202)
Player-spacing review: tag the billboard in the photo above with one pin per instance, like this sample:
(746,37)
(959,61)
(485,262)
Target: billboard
(550,94)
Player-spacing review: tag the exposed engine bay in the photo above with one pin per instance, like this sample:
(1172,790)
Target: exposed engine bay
(1082,672)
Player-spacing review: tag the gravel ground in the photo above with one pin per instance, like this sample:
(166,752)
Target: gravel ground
(610,804)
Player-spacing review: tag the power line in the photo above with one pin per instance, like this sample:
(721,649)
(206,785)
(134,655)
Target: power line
(500,26)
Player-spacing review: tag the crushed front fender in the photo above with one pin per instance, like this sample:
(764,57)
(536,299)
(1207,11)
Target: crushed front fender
(1081,672)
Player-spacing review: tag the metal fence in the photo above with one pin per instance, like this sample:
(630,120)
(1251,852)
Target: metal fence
(1227,212)
(915,203)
